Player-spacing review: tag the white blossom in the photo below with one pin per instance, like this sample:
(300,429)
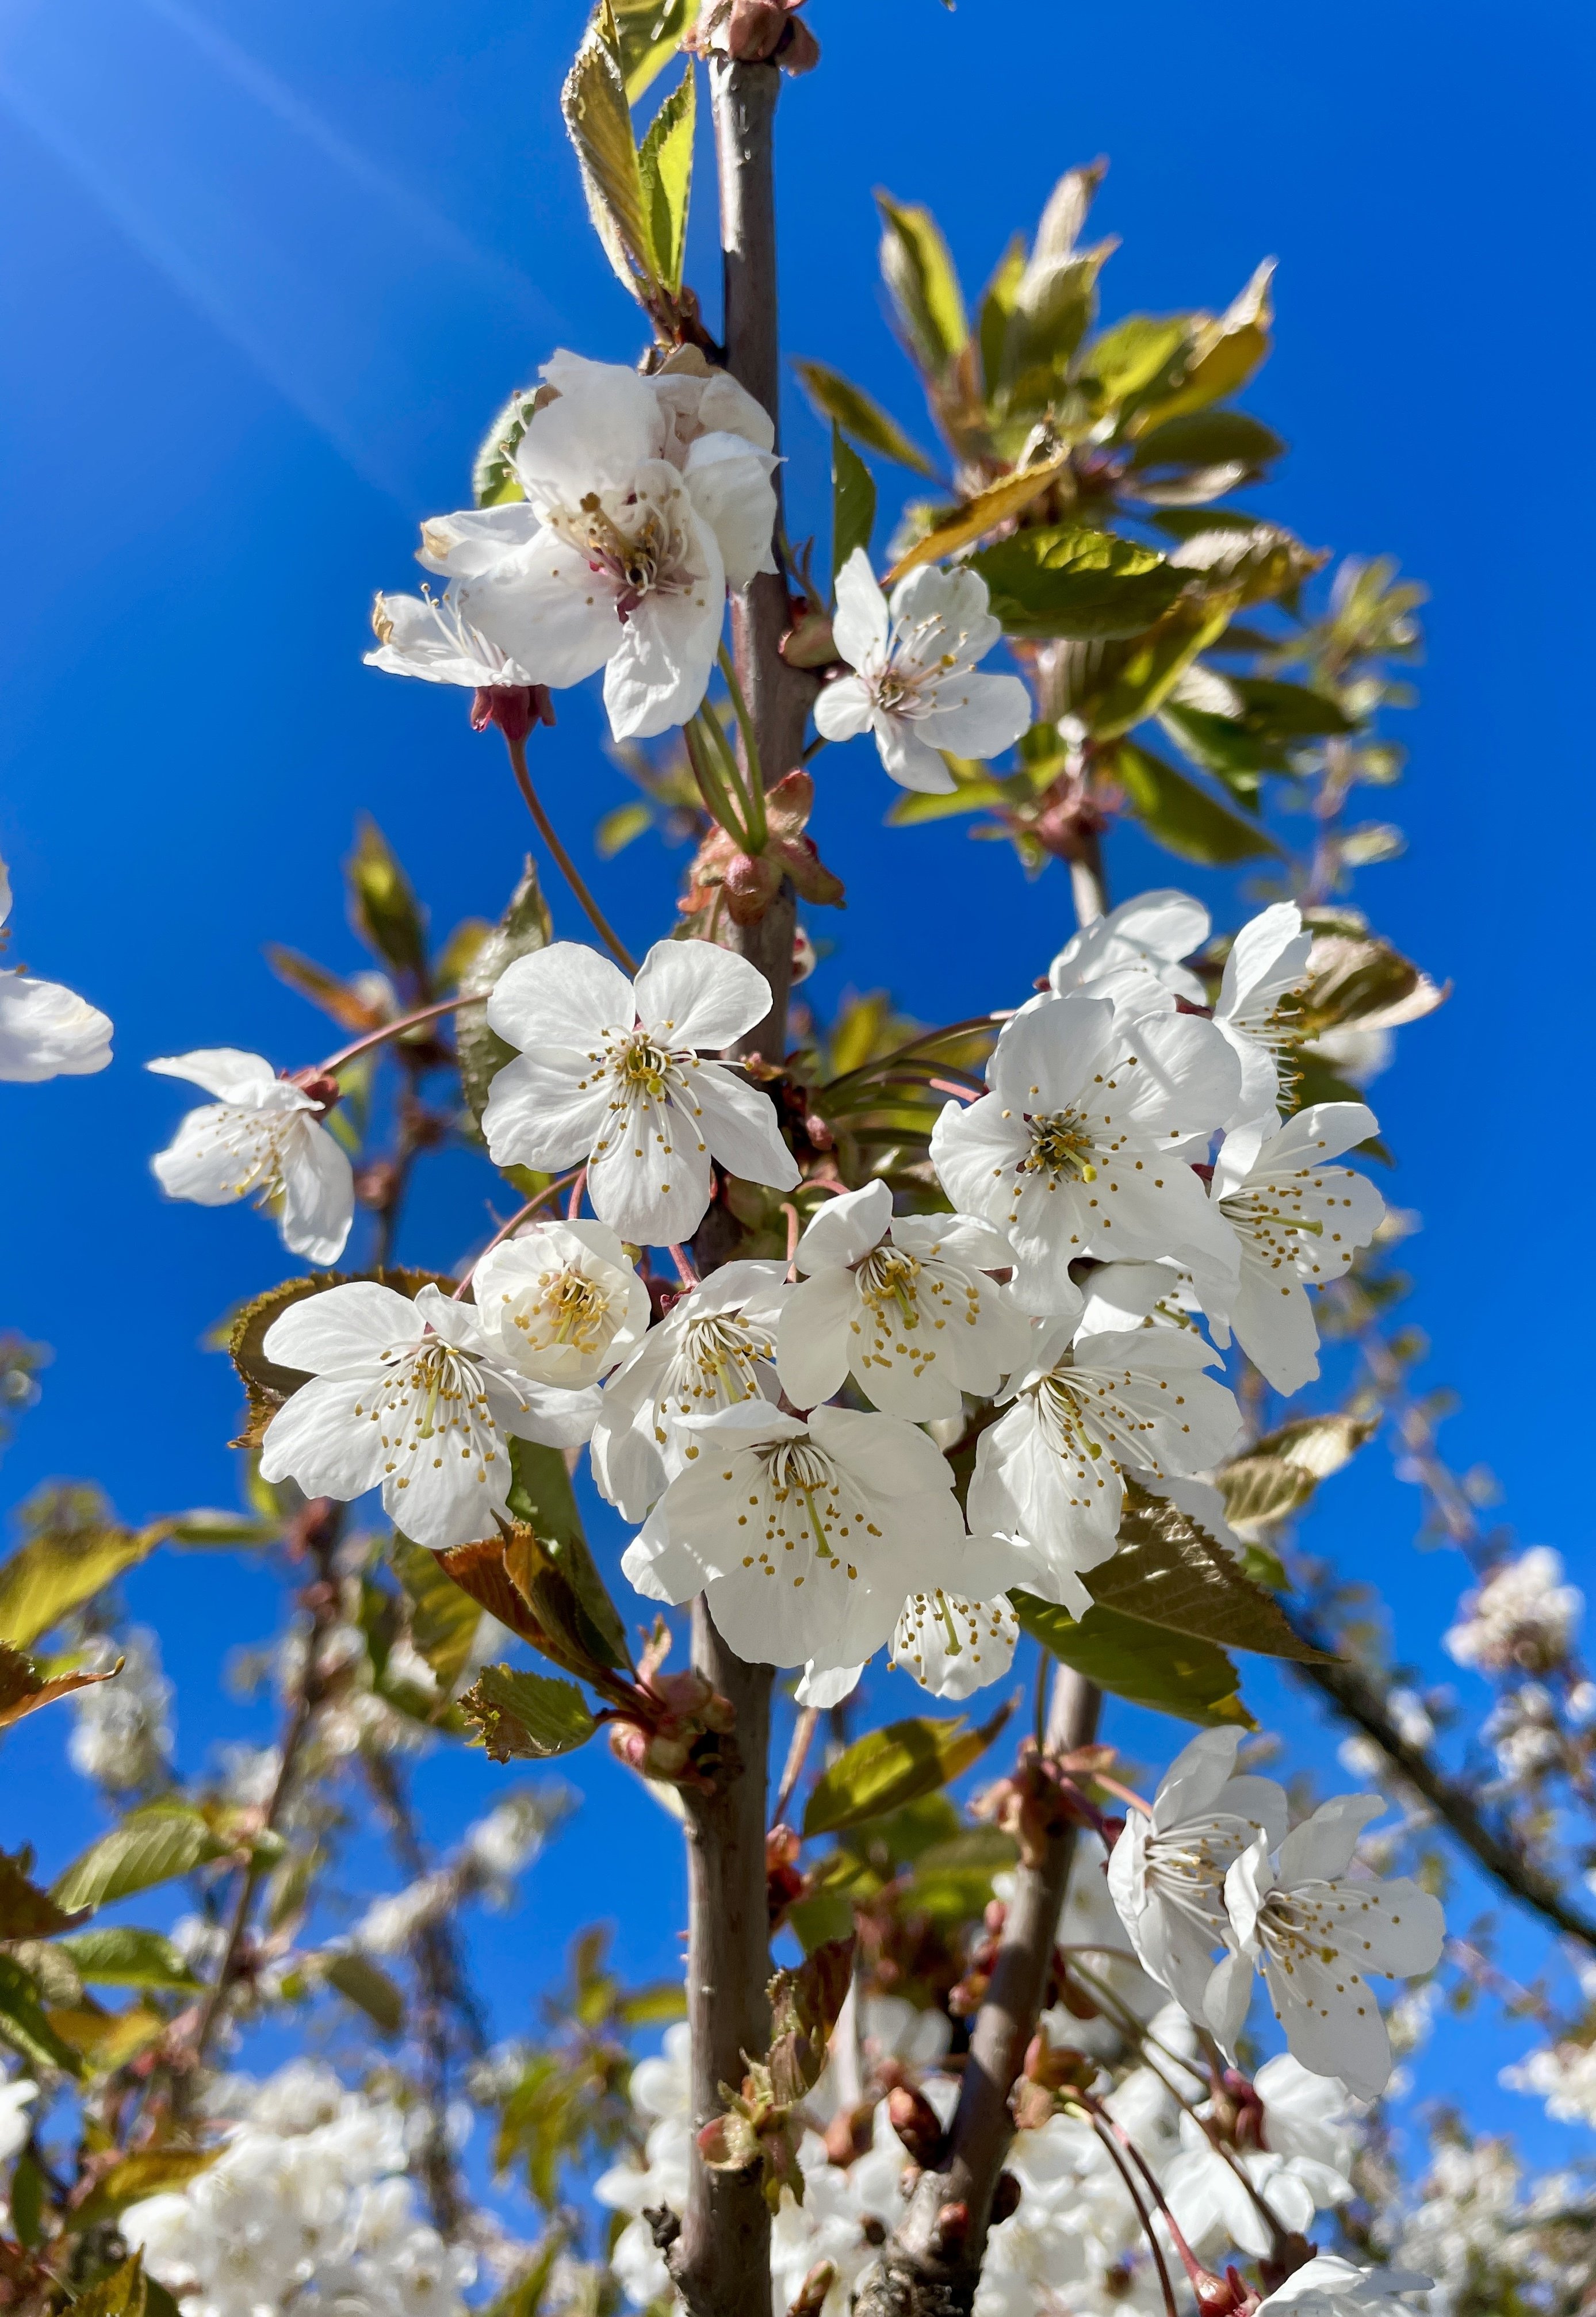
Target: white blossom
(1317,1933)
(15,2122)
(306,2208)
(427,635)
(1298,1219)
(620,553)
(1076,1149)
(46,1030)
(1166,1872)
(953,1646)
(1522,1615)
(1561,2075)
(412,1398)
(1137,949)
(807,1537)
(715,1347)
(915,687)
(1304,2167)
(262,1139)
(1049,1474)
(609,1074)
(560,1302)
(907,1305)
(121,1735)
(1267,963)
(1329,2286)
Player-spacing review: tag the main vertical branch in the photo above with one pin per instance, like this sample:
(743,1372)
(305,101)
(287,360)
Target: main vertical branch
(721,2259)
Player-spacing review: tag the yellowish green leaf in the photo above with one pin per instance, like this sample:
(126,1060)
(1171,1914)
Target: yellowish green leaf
(951,528)
(1172,1673)
(860,417)
(664,170)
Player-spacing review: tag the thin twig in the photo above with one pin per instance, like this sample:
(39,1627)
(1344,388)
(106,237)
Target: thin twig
(394,1029)
(803,1731)
(508,1231)
(567,866)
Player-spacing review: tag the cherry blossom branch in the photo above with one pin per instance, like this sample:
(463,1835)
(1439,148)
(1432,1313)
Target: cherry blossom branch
(1357,1700)
(567,866)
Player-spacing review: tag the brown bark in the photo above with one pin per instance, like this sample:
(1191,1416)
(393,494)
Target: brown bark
(721,2259)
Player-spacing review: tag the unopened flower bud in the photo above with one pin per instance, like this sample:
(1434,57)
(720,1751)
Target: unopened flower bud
(811,2296)
(322,1088)
(952,2227)
(1005,2197)
(917,2124)
(849,2133)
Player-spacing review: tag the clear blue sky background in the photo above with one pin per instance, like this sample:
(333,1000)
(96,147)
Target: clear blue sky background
(266,278)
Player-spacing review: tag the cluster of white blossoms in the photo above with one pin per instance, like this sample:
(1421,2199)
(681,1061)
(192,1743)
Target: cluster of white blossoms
(46,1030)
(1094,1220)
(1521,1619)
(121,1735)
(1212,1870)
(1075,2239)
(306,2208)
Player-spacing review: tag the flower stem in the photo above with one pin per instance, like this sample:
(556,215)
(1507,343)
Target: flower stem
(705,757)
(507,1230)
(758,827)
(394,1029)
(567,866)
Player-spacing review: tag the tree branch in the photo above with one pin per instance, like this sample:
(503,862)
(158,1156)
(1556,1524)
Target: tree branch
(1357,1700)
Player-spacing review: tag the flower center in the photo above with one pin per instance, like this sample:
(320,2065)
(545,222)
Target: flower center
(948,1622)
(572,1310)
(432,1407)
(641,1065)
(807,1503)
(1060,1146)
(887,1277)
(634,543)
(716,1366)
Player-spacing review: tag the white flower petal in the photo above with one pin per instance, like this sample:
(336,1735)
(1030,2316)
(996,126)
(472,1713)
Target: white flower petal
(844,709)
(862,622)
(909,760)
(316,1438)
(547,609)
(538,1114)
(730,485)
(565,995)
(341,1329)
(845,1230)
(739,1124)
(318,1192)
(227,1072)
(692,993)
(812,1346)
(988,715)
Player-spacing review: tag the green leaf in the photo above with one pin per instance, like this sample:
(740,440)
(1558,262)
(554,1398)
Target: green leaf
(360,1983)
(852,501)
(1116,684)
(648,34)
(541,1498)
(27,2199)
(948,528)
(1173,1673)
(117,1955)
(598,121)
(154,1845)
(1123,359)
(889,1767)
(837,399)
(986,792)
(527,1717)
(25,1687)
(1207,438)
(922,282)
(1224,352)
(443,1620)
(25,2025)
(1280,1472)
(996,307)
(125,2293)
(58,1570)
(494,479)
(1065,579)
(618,828)
(525,927)
(952,1882)
(207,1527)
(664,166)
(1182,817)
(1289,711)
(382,905)
(150,2172)
(1169,1572)
(1221,745)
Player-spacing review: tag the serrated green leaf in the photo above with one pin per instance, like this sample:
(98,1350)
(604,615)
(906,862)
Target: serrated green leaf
(665,169)
(119,1954)
(25,1687)
(56,1572)
(364,1984)
(151,1845)
(1123,359)
(598,121)
(1280,1472)
(838,400)
(443,1620)
(889,1767)
(653,2007)
(525,927)
(1221,745)
(24,2023)
(1169,1572)
(1207,438)
(1224,352)
(922,284)
(852,501)
(494,479)
(1066,579)
(266,1385)
(1120,683)
(1172,1673)
(1182,817)
(527,1717)
(648,34)
(946,529)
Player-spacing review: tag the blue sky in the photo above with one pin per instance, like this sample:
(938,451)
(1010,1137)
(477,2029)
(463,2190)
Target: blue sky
(269,276)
